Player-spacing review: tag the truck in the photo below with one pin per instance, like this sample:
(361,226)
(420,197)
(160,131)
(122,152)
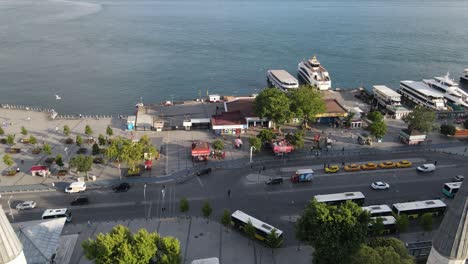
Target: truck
(304,175)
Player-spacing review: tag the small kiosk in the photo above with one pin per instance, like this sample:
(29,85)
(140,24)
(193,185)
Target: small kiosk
(40,170)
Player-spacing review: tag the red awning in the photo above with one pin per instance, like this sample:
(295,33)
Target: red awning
(39,168)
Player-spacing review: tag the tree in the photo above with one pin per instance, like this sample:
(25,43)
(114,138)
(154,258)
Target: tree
(82,163)
(218,144)
(130,152)
(2,132)
(8,160)
(378,226)
(249,229)
(88,130)
(465,124)
(426,221)
(47,149)
(102,140)
(10,139)
(378,129)
(297,140)
(402,223)
(306,102)
(273,104)
(109,131)
(266,135)
(447,130)
(59,160)
(420,119)
(120,246)
(391,250)
(207,210)
(226,218)
(336,232)
(273,240)
(96,150)
(24,131)
(32,140)
(256,143)
(184,205)
(366,255)
(375,116)
(79,140)
(66,130)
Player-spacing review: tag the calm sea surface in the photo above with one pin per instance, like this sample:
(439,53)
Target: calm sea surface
(101,56)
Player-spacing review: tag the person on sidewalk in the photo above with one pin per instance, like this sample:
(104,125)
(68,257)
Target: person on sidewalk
(229,193)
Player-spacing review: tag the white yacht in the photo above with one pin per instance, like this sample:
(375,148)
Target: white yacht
(421,94)
(455,96)
(464,78)
(314,74)
(282,80)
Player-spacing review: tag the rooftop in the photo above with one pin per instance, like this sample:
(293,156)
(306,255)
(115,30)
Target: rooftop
(423,88)
(244,105)
(386,91)
(283,76)
(228,118)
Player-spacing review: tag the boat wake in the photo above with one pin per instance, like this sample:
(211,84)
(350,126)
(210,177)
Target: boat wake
(73,10)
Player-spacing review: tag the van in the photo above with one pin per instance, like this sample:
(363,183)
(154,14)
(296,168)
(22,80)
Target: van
(76,187)
(426,168)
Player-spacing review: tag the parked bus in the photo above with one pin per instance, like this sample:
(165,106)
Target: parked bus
(451,188)
(378,210)
(240,219)
(339,198)
(416,209)
(388,221)
(57,213)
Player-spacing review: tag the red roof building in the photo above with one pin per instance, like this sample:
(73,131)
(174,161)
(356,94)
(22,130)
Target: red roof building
(40,170)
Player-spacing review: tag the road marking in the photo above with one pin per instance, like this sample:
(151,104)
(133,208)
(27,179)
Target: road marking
(201,183)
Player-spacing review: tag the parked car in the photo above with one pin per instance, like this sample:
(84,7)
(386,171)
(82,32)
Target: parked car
(204,171)
(404,164)
(273,181)
(387,165)
(80,200)
(426,168)
(26,205)
(123,187)
(369,166)
(352,167)
(380,185)
(332,169)
(458,178)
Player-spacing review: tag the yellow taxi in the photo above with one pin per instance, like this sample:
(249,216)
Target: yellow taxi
(387,165)
(404,164)
(369,166)
(352,167)
(332,169)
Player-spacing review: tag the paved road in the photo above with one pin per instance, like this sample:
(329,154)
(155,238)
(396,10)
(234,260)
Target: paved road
(272,204)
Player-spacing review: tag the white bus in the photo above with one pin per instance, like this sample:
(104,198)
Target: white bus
(451,188)
(57,213)
(388,221)
(339,198)
(416,209)
(240,219)
(378,210)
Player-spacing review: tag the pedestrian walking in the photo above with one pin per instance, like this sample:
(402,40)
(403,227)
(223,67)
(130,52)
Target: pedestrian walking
(342,163)
(466,148)
(229,193)
(342,149)
(263,168)
(435,163)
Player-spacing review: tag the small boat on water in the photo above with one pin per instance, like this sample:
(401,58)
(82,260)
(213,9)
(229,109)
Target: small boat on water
(282,80)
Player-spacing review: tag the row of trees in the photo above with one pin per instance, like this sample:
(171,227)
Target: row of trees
(266,135)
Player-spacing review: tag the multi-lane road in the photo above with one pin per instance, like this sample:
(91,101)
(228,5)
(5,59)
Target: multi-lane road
(273,204)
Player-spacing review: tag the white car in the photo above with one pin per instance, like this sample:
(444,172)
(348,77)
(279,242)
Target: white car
(380,185)
(426,168)
(26,205)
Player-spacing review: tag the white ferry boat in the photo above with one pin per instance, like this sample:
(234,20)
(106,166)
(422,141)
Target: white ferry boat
(421,94)
(464,78)
(282,80)
(314,74)
(455,96)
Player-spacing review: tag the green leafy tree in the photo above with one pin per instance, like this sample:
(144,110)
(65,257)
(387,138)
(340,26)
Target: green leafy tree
(366,255)
(420,119)
(256,143)
(168,251)
(336,232)
(145,140)
(226,218)
(402,223)
(296,139)
(184,205)
(447,130)
(273,240)
(82,163)
(465,124)
(391,250)
(10,139)
(378,129)
(109,131)
(266,135)
(378,226)
(306,102)
(207,210)
(8,160)
(130,152)
(88,130)
(218,144)
(24,131)
(47,149)
(59,160)
(96,150)
(426,221)
(79,140)
(2,132)
(375,116)
(32,140)
(273,104)
(66,130)
(249,229)
(102,140)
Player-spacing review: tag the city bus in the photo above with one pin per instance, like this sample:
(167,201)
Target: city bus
(240,219)
(57,213)
(378,210)
(340,198)
(451,188)
(388,221)
(416,209)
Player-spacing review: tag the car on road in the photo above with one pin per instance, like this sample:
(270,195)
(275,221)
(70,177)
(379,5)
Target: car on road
(26,205)
(273,181)
(404,164)
(352,167)
(387,165)
(426,168)
(458,178)
(332,169)
(204,171)
(369,166)
(80,200)
(380,185)
(123,187)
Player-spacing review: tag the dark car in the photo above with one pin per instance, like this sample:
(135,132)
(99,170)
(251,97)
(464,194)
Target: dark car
(204,171)
(123,187)
(273,181)
(80,201)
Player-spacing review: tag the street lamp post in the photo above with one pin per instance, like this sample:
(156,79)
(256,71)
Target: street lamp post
(251,151)
(144,196)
